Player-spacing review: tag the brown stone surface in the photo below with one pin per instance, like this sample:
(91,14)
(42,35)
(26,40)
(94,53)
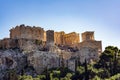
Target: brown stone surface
(50,36)
(23,44)
(71,38)
(88,35)
(66,39)
(27,32)
(58,37)
(23,36)
(5,43)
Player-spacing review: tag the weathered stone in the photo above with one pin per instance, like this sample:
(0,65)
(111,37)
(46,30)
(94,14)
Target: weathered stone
(87,53)
(71,38)
(11,59)
(47,49)
(71,64)
(87,36)
(58,37)
(27,32)
(50,36)
(22,44)
(66,39)
(42,60)
(91,44)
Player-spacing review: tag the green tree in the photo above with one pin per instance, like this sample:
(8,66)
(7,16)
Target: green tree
(86,71)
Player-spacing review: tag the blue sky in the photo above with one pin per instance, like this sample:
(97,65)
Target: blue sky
(101,16)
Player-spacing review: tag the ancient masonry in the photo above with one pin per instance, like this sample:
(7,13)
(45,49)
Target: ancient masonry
(27,32)
(50,36)
(22,33)
(59,38)
(66,39)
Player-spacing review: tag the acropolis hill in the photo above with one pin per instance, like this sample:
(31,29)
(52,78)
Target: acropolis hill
(47,48)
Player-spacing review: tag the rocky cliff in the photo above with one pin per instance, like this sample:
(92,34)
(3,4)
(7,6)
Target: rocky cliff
(11,60)
(31,50)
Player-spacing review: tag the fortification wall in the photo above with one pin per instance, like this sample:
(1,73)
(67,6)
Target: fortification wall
(23,44)
(58,37)
(71,38)
(50,36)
(27,32)
(88,35)
(66,39)
(8,43)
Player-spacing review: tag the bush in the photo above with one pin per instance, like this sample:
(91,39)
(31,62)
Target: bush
(25,77)
(96,78)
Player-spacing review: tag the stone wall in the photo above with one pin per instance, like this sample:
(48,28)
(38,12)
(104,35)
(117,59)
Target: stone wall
(71,38)
(58,37)
(87,36)
(23,44)
(27,32)
(88,53)
(66,39)
(7,43)
(50,36)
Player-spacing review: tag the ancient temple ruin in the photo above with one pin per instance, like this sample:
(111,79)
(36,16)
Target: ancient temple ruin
(20,34)
(59,38)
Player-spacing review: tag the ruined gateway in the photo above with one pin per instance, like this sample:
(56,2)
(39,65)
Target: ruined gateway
(46,48)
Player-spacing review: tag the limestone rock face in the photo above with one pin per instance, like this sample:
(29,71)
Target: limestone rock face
(11,59)
(87,53)
(55,49)
(41,60)
(91,44)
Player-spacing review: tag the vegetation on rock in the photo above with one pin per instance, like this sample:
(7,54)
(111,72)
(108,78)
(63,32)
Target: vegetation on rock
(107,68)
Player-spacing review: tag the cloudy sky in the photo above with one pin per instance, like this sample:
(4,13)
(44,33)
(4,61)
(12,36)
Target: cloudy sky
(101,16)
